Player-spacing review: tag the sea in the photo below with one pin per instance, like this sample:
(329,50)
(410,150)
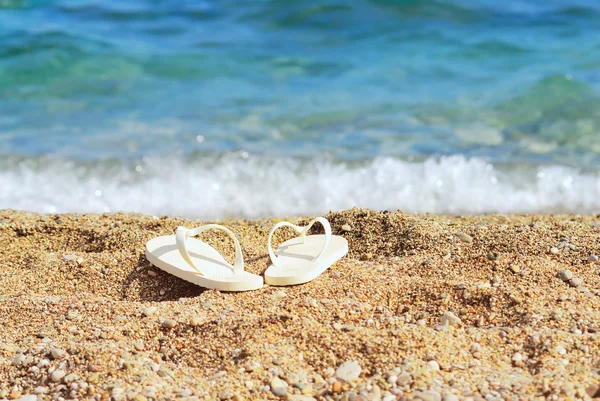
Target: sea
(255,108)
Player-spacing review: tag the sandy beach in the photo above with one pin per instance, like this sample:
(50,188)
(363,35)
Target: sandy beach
(423,307)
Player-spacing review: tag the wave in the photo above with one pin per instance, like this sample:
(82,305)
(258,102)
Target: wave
(211,187)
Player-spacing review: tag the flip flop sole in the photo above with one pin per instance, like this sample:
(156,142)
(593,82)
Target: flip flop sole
(295,264)
(162,252)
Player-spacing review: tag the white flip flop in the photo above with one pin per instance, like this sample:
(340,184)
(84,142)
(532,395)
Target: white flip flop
(199,263)
(303,258)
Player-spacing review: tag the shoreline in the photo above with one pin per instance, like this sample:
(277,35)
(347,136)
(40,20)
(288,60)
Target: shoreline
(85,316)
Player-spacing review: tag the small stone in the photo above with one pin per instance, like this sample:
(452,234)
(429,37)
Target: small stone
(169,323)
(556,314)
(404,379)
(58,353)
(149,311)
(514,269)
(336,387)
(71,377)
(320,388)
(560,349)
(40,390)
(428,395)
(252,366)
(70,257)
(297,384)
(492,256)
(279,295)
(196,321)
(139,346)
(14,395)
(237,397)
(57,375)
(94,368)
(575,282)
(393,379)
(554,250)
(433,365)
(367,256)
(94,378)
(464,237)
(565,275)
(152,273)
(312,302)
(348,371)
(278,387)
(593,258)
(517,358)
(162,371)
(483,286)
(346,227)
(308,389)
(450,319)
(28,361)
(593,391)
(450,397)
(18,360)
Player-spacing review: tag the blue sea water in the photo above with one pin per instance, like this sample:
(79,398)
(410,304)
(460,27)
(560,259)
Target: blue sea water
(213,109)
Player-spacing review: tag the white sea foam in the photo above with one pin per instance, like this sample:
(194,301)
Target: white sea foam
(234,186)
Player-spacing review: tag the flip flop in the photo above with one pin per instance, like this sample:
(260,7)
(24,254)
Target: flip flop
(303,258)
(199,263)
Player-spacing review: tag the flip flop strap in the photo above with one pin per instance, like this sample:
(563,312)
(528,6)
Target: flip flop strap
(182,234)
(302,231)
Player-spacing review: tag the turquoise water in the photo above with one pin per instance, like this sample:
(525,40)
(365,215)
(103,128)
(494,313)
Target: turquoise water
(249,108)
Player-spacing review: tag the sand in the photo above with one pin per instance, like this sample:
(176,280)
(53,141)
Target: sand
(423,307)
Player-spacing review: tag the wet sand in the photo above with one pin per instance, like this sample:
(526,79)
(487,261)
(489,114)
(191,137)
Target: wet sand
(423,307)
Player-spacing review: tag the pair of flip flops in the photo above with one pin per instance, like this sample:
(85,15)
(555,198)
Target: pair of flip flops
(296,261)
